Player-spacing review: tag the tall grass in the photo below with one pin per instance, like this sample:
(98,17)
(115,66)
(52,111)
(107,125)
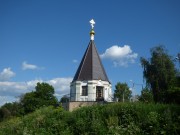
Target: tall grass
(114,118)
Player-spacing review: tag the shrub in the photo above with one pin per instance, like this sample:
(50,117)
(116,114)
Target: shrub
(115,118)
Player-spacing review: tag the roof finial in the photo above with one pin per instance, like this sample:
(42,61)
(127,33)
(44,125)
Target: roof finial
(92,22)
(92,33)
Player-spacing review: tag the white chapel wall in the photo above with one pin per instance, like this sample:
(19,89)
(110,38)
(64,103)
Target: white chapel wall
(76,90)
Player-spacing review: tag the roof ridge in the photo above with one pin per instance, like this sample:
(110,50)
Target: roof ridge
(84,59)
(101,63)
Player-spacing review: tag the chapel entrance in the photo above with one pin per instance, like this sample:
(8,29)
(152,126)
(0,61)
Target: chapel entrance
(99,93)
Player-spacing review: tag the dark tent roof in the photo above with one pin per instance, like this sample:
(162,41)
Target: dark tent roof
(91,67)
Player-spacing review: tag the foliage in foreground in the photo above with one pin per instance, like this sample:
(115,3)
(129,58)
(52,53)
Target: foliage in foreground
(115,118)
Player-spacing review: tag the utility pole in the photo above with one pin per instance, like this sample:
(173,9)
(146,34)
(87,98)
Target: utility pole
(133,90)
(178,58)
(123,96)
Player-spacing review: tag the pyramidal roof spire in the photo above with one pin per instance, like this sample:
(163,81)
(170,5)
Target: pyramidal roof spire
(91,67)
(92,32)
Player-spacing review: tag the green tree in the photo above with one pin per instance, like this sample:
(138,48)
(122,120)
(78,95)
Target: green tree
(29,102)
(45,93)
(122,92)
(173,93)
(9,110)
(64,99)
(146,95)
(159,73)
(42,96)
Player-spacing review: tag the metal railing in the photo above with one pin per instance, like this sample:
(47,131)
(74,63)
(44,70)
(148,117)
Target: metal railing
(88,97)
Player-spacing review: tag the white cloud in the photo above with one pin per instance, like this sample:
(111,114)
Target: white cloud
(6,74)
(10,90)
(121,56)
(61,85)
(6,99)
(26,66)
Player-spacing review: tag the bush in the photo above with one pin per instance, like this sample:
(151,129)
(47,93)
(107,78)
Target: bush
(114,118)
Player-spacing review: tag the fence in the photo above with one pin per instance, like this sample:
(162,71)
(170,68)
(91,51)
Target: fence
(89,97)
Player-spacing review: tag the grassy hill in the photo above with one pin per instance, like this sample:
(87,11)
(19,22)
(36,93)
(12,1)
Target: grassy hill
(114,118)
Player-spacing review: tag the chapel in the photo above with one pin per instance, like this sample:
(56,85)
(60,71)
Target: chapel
(91,83)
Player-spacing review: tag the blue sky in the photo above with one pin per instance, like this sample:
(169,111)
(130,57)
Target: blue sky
(45,40)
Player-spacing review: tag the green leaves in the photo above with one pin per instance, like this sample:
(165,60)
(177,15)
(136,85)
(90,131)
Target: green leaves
(9,110)
(42,96)
(146,96)
(159,73)
(114,118)
(122,92)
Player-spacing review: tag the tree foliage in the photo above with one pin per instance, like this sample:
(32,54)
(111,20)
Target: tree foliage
(146,96)
(159,73)
(173,94)
(9,110)
(122,90)
(64,99)
(29,102)
(42,96)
